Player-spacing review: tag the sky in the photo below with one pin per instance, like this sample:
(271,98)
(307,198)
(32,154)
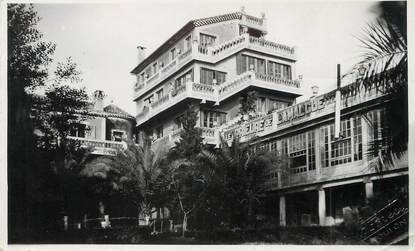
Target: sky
(103,38)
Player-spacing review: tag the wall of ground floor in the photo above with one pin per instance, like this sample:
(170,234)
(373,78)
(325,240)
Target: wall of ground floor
(333,203)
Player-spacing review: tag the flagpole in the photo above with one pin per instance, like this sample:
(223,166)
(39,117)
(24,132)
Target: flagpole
(337,109)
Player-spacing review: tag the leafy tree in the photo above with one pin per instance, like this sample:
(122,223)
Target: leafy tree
(29,59)
(184,172)
(386,61)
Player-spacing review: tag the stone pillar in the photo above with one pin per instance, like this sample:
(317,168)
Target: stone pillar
(321,207)
(369,189)
(283,221)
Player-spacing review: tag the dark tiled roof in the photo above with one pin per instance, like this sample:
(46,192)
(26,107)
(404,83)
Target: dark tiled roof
(183,31)
(216,19)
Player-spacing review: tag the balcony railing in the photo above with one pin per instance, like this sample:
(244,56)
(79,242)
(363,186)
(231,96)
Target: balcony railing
(210,136)
(101,147)
(213,54)
(218,93)
(277,80)
(279,48)
(257,79)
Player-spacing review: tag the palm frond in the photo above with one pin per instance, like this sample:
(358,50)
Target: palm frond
(384,47)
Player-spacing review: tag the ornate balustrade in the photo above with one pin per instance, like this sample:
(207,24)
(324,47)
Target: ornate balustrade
(204,88)
(228,45)
(279,48)
(104,147)
(160,101)
(277,80)
(208,132)
(254,20)
(185,54)
(227,87)
(169,66)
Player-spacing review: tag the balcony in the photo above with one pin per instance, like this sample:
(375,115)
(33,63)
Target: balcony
(214,54)
(254,22)
(100,147)
(188,90)
(209,135)
(218,93)
(264,81)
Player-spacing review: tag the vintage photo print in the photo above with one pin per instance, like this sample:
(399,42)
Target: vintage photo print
(206,123)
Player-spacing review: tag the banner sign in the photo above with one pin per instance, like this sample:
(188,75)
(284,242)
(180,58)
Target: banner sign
(300,110)
(245,129)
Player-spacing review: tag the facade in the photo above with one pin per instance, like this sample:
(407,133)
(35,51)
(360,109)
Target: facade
(106,128)
(213,62)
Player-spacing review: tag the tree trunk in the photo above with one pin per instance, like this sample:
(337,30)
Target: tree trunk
(184,225)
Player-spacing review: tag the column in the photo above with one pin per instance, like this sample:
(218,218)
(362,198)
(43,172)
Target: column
(369,189)
(321,207)
(283,221)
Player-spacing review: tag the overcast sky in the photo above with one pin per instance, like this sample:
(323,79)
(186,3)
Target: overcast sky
(102,38)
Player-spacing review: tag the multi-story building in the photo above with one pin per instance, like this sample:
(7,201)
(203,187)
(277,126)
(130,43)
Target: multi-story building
(105,129)
(213,62)
(210,62)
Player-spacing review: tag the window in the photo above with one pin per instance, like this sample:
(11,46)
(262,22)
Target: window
(261,105)
(158,132)
(212,118)
(276,105)
(117,135)
(311,150)
(244,63)
(155,68)
(286,72)
(357,138)
(344,150)
(341,150)
(142,77)
(149,100)
(279,70)
(188,42)
(159,94)
(207,76)
(206,40)
(182,79)
(378,129)
(298,153)
(78,130)
(173,53)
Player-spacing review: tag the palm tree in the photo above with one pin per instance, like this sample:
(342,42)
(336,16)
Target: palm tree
(238,168)
(135,173)
(385,58)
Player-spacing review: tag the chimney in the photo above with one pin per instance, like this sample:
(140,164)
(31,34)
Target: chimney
(141,53)
(99,100)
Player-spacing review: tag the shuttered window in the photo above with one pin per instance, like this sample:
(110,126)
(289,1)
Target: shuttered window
(244,63)
(207,76)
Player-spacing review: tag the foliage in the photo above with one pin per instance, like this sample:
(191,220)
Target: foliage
(386,61)
(58,111)
(29,167)
(190,142)
(248,104)
(135,173)
(236,170)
